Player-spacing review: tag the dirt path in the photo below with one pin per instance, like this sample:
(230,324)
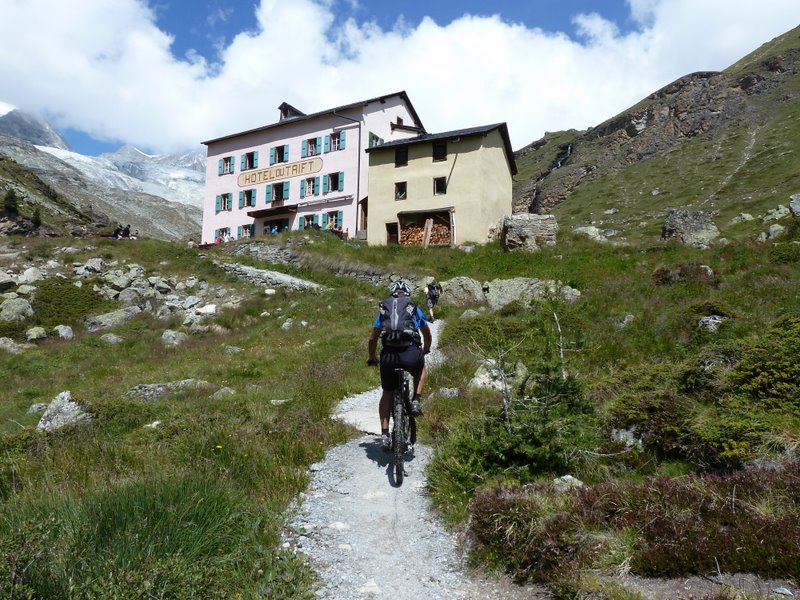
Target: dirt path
(369,538)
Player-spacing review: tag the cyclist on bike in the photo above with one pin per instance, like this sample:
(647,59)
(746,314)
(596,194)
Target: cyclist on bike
(406,351)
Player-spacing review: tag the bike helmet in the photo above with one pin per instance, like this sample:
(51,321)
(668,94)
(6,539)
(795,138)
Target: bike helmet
(399,287)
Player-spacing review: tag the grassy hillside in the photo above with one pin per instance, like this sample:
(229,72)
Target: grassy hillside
(103,509)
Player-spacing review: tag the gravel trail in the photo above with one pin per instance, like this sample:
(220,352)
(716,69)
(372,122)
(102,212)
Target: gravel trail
(368,537)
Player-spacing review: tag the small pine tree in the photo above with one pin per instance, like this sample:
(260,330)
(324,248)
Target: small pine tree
(36,218)
(11,202)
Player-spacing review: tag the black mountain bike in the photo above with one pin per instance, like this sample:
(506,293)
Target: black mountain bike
(404,426)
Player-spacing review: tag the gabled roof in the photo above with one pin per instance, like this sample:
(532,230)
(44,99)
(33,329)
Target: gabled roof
(300,116)
(448,136)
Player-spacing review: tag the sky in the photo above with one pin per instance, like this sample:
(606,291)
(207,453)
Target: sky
(165,75)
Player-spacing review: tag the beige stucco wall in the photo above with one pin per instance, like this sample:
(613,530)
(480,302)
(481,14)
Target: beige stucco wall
(478,186)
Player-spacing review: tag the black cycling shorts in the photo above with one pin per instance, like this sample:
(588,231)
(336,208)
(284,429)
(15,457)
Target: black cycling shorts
(410,358)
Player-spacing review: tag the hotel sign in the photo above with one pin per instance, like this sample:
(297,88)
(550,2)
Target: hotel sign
(281,171)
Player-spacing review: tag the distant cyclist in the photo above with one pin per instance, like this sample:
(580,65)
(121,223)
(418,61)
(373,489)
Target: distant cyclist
(405,340)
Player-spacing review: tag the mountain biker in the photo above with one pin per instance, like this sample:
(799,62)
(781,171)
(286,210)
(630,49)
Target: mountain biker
(408,354)
(432,292)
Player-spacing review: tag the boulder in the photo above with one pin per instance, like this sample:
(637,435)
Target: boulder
(592,232)
(780,212)
(525,290)
(62,411)
(528,232)
(148,392)
(34,334)
(7,282)
(30,275)
(15,309)
(13,347)
(173,338)
(461,291)
(64,332)
(794,206)
(112,319)
(111,338)
(692,228)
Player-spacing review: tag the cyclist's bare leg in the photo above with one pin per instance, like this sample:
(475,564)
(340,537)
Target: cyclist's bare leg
(419,382)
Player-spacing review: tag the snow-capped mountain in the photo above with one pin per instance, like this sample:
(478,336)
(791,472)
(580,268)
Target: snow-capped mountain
(175,177)
(24,126)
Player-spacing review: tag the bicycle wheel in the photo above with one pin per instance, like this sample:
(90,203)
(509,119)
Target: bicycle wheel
(399,436)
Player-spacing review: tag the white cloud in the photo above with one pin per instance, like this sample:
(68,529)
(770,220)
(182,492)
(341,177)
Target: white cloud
(109,71)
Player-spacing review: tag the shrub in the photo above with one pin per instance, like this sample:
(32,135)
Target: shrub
(770,370)
(11,202)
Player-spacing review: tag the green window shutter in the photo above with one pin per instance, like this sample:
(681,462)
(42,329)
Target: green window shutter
(316,186)
(255,159)
(219,204)
(341,140)
(302,188)
(324,220)
(272,156)
(300,223)
(316,219)
(253,197)
(239,232)
(325,184)
(341,181)
(268,194)
(230,201)
(285,190)
(241,199)
(219,168)
(303,149)
(244,158)
(252,229)
(286,153)
(285,224)
(319,145)
(327,143)
(340,219)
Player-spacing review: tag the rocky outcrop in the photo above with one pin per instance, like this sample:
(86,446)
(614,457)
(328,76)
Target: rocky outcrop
(464,291)
(149,392)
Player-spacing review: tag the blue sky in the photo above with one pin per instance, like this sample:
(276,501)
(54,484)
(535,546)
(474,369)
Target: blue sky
(164,75)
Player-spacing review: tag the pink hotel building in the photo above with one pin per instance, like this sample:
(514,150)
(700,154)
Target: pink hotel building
(303,171)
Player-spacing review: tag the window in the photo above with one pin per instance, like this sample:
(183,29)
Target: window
(374,140)
(439,151)
(309,187)
(245,231)
(222,235)
(225,165)
(335,141)
(401,156)
(399,120)
(279,154)
(278,192)
(249,161)
(333,219)
(311,147)
(309,222)
(247,198)
(224,202)
(400,190)
(333,182)
(440,185)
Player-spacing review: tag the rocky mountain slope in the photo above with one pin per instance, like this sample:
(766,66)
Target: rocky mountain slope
(708,141)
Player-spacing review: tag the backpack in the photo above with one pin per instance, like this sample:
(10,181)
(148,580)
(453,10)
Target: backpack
(397,322)
(434,289)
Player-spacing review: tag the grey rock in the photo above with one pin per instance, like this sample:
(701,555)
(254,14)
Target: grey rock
(775,230)
(39,407)
(624,321)
(30,275)
(208,309)
(173,338)
(469,314)
(490,376)
(526,290)
(15,309)
(13,347)
(461,291)
(26,290)
(62,411)
(780,212)
(742,218)
(64,332)
(592,232)
(112,319)
(231,350)
(94,265)
(131,297)
(692,228)
(191,302)
(7,282)
(794,204)
(566,483)
(111,338)
(34,334)
(287,324)
(711,323)
(223,393)
(147,392)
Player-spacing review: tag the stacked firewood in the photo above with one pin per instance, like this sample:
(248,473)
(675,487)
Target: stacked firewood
(427,233)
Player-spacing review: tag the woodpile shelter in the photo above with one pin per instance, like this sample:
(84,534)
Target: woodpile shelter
(440,189)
